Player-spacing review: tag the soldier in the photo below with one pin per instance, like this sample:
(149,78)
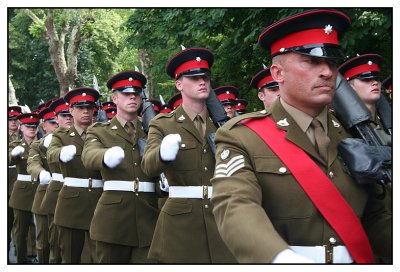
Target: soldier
(24,188)
(82,188)
(240,105)
(13,134)
(268,88)
(227,96)
(48,205)
(165,108)
(156,105)
(174,101)
(126,214)
(280,192)
(111,112)
(362,73)
(186,231)
(38,168)
(387,85)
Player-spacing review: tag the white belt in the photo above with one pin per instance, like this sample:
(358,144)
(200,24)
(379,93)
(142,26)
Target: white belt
(190,191)
(318,253)
(12,166)
(21,177)
(84,183)
(130,186)
(58,177)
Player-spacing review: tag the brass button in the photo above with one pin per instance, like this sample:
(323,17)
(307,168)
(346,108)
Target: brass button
(133,149)
(332,240)
(205,150)
(183,145)
(282,170)
(206,206)
(205,168)
(331,174)
(135,164)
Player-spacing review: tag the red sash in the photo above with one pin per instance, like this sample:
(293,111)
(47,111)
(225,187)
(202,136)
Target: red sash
(318,187)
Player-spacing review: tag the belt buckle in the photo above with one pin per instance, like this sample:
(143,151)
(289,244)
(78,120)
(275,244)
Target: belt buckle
(136,185)
(329,250)
(205,191)
(90,183)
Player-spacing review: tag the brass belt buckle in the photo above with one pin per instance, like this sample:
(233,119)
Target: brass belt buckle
(136,185)
(329,250)
(205,191)
(90,184)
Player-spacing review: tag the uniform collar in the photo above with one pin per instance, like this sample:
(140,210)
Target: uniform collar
(79,130)
(123,121)
(303,119)
(192,114)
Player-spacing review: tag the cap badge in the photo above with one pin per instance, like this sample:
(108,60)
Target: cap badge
(130,79)
(181,118)
(227,92)
(72,134)
(198,59)
(283,123)
(31,116)
(12,110)
(282,50)
(225,154)
(83,94)
(263,112)
(23,144)
(114,127)
(370,62)
(335,124)
(328,29)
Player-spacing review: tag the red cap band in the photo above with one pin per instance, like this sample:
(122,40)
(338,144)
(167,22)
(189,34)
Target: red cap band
(264,81)
(301,38)
(62,107)
(226,96)
(240,106)
(177,103)
(191,64)
(29,120)
(81,97)
(49,115)
(13,113)
(127,82)
(361,69)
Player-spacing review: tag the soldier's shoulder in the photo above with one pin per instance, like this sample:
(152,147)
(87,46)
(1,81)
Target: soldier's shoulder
(164,115)
(99,125)
(60,131)
(251,115)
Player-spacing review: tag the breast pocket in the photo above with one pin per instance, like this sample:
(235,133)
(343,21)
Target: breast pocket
(187,158)
(175,206)
(283,197)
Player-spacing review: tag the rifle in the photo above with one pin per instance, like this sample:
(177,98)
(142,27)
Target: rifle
(385,113)
(367,159)
(101,115)
(218,116)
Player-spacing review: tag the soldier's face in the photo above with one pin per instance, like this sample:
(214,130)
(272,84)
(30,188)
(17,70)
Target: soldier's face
(194,88)
(230,110)
(13,124)
(369,90)
(65,120)
(127,102)
(267,96)
(49,126)
(29,132)
(307,83)
(82,115)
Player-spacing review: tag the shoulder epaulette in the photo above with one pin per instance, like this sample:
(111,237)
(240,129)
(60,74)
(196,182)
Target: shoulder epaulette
(236,120)
(164,115)
(100,124)
(61,130)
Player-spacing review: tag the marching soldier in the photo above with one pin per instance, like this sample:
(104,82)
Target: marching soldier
(13,134)
(240,105)
(227,96)
(362,73)
(82,188)
(281,193)
(125,216)
(24,188)
(38,168)
(186,231)
(268,88)
(64,120)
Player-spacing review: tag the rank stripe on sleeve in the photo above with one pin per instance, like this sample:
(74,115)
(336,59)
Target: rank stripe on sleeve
(226,170)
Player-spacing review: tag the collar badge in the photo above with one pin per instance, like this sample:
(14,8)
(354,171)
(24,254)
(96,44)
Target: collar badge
(72,133)
(181,118)
(114,127)
(335,124)
(283,123)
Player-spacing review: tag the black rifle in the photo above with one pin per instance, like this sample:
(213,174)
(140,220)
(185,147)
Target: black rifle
(385,113)
(218,116)
(367,159)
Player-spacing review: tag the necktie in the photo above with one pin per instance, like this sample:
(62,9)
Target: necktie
(321,139)
(83,136)
(130,129)
(198,121)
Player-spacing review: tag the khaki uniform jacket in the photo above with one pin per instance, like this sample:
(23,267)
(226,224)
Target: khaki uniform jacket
(12,169)
(23,192)
(37,161)
(186,229)
(260,209)
(49,201)
(121,217)
(75,205)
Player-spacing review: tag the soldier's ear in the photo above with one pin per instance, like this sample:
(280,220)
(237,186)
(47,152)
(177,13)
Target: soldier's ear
(178,84)
(277,72)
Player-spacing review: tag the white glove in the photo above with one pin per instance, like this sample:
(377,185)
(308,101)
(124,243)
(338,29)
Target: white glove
(17,151)
(44,177)
(47,140)
(170,146)
(114,156)
(289,256)
(67,153)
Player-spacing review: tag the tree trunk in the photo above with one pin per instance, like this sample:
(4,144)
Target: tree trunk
(145,64)
(12,99)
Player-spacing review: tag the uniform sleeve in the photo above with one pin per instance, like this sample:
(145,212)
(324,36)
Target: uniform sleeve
(152,165)
(93,150)
(54,149)
(34,163)
(237,197)
(11,146)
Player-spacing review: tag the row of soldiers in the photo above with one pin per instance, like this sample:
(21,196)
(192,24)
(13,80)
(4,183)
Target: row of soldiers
(160,194)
